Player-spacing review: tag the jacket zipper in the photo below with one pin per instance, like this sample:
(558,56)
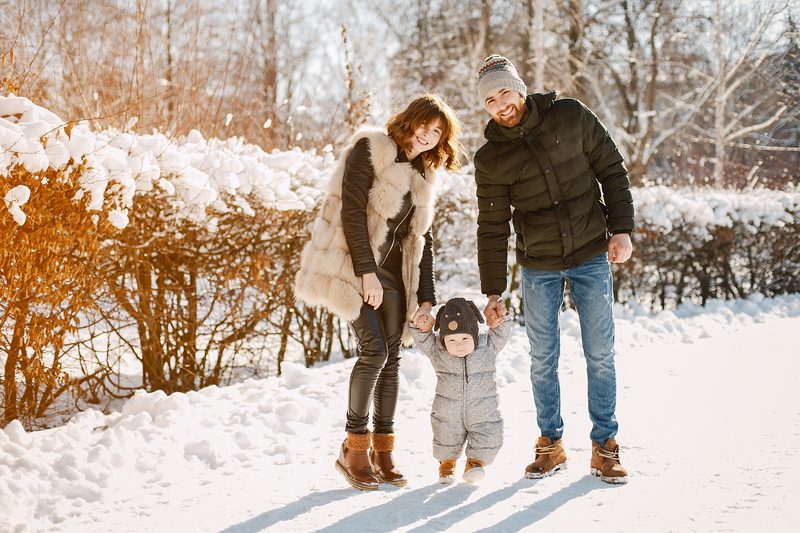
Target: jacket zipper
(394,235)
(522,134)
(466,375)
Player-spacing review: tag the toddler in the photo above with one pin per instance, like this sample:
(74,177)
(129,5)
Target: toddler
(465,408)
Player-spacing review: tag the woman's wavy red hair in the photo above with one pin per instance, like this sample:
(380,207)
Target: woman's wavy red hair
(422,110)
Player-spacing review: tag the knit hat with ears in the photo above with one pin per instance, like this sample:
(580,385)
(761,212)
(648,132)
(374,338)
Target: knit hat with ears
(459,315)
(496,72)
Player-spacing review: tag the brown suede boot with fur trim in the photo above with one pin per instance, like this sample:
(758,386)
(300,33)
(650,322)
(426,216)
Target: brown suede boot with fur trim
(382,461)
(353,462)
(605,463)
(550,458)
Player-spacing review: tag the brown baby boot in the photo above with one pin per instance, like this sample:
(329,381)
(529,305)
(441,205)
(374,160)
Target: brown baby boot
(382,462)
(353,462)
(473,471)
(550,458)
(605,463)
(447,471)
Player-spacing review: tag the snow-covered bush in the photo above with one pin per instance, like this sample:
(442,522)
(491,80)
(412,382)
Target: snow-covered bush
(185,248)
(696,244)
(51,244)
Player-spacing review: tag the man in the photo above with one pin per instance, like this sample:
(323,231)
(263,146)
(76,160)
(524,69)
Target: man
(550,167)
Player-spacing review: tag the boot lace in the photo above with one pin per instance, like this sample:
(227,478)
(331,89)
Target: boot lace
(613,454)
(546,450)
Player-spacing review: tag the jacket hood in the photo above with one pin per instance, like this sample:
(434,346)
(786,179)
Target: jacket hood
(542,102)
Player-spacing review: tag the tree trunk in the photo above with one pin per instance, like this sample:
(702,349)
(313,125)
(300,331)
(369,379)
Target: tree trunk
(483,41)
(541,55)
(287,324)
(170,96)
(188,353)
(577,50)
(10,408)
(270,49)
(152,362)
(719,102)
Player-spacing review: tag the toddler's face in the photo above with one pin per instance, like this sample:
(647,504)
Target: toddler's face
(459,344)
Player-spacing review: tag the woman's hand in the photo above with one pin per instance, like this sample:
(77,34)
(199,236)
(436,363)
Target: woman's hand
(422,319)
(372,290)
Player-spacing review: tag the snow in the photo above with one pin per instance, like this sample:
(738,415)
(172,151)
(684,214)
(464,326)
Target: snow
(14,198)
(709,424)
(665,208)
(202,175)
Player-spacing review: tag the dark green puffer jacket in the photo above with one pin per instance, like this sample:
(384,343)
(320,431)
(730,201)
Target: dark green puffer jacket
(563,177)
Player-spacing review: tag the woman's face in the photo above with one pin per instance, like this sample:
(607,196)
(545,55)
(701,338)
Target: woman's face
(426,137)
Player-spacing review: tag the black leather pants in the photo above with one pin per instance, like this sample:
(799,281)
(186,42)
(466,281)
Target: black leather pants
(374,379)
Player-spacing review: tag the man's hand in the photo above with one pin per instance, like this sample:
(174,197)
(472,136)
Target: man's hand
(495,311)
(372,289)
(620,248)
(422,319)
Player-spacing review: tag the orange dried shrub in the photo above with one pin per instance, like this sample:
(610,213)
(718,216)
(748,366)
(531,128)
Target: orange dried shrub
(47,279)
(208,303)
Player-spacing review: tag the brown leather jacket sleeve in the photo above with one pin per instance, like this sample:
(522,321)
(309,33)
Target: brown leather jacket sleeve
(356,183)
(426,292)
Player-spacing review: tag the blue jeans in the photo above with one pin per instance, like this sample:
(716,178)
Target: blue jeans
(543,294)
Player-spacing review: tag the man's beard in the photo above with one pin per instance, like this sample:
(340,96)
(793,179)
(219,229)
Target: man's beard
(515,118)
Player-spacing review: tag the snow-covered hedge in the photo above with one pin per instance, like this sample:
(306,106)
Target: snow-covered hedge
(189,253)
(200,176)
(698,244)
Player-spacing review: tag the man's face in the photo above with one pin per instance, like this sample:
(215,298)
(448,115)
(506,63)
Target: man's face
(506,106)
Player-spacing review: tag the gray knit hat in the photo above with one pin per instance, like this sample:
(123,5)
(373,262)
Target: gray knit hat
(497,71)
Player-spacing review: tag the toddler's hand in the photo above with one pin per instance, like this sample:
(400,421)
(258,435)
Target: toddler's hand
(495,311)
(424,322)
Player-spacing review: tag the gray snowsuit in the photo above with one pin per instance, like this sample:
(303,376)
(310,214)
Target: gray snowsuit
(465,408)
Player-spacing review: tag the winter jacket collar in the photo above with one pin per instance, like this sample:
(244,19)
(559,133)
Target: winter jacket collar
(538,105)
(418,163)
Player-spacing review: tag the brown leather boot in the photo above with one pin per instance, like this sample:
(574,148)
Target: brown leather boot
(605,463)
(447,471)
(473,470)
(382,462)
(353,462)
(550,458)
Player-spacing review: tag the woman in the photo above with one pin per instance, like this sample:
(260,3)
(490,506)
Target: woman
(370,262)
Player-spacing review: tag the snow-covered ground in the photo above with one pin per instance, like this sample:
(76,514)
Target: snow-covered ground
(709,427)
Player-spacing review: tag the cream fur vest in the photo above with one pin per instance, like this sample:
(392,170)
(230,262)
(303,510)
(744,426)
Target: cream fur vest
(326,277)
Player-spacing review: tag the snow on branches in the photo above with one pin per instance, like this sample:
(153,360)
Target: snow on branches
(199,175)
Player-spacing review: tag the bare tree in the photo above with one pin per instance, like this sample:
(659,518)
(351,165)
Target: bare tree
(577,47)
(740,56)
